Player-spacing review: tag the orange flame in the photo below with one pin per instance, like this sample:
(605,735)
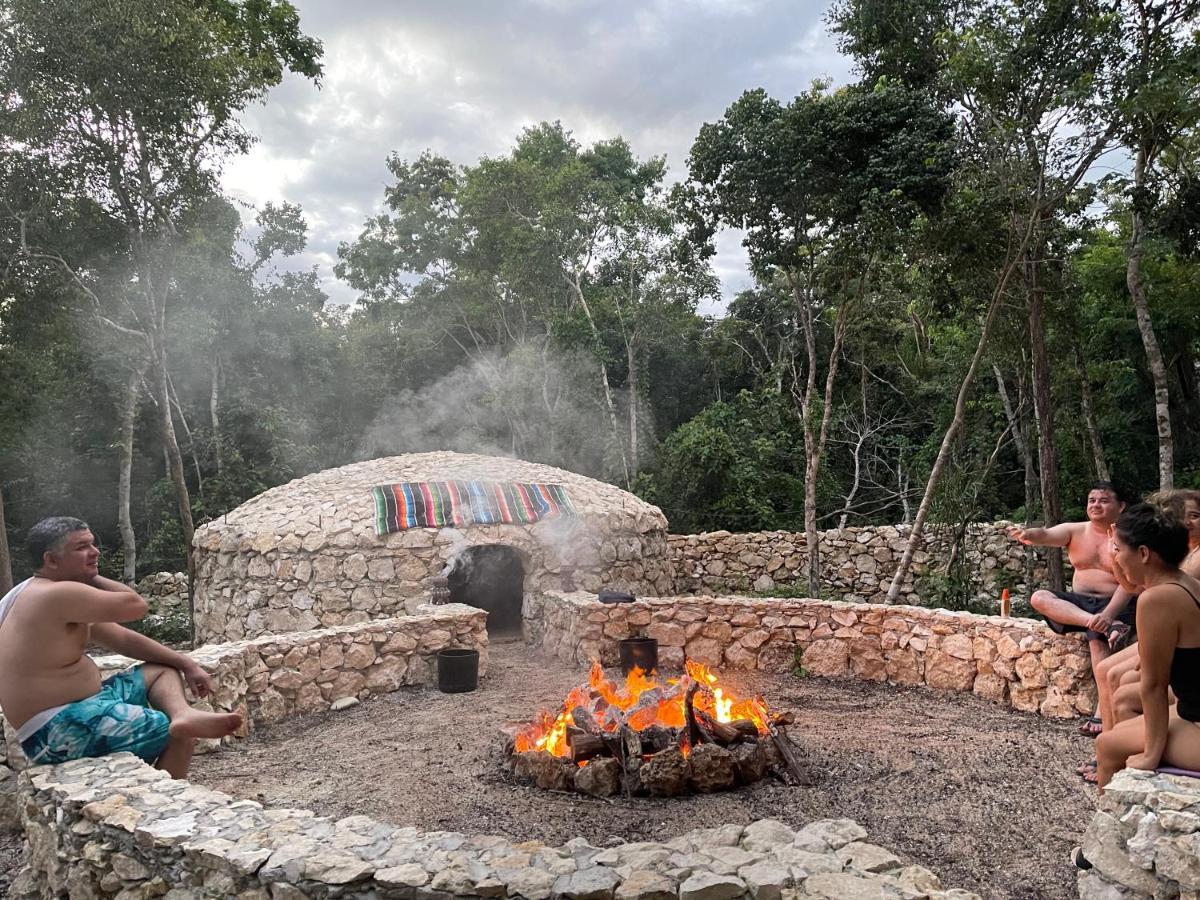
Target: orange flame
(548,732)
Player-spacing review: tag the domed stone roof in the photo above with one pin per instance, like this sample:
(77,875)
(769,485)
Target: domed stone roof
(306,554)
(337,500)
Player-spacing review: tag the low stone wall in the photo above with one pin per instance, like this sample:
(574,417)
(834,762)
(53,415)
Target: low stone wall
(857,564)
(1144,840)
(1017,662)
(279,676)
(114,826)
(167,588)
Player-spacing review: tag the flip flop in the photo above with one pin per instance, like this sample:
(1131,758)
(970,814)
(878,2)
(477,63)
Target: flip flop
(1092,726)
(1084,768)
(1119,636)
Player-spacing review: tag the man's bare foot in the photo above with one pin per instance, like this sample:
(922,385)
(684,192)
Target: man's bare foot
(196,724)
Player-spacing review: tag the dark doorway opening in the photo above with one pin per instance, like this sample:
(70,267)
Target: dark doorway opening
(490,577)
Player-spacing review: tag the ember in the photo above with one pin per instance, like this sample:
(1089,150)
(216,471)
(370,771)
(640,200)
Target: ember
(651,736)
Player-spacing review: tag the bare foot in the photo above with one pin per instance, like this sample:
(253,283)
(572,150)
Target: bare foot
(196,724)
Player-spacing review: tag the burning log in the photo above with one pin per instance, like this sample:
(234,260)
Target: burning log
(651,737)
(724,733)
(584,746)
(657,738)
(584,720)
(631,760)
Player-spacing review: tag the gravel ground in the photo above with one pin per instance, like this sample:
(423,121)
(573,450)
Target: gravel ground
(12,857)
(983,796)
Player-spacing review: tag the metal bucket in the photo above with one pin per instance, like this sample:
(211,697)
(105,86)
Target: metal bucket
(638,651)
(458,671)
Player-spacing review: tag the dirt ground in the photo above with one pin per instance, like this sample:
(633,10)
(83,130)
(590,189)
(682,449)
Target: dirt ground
(983,796)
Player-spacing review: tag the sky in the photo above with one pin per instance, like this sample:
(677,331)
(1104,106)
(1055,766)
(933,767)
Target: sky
(464,77)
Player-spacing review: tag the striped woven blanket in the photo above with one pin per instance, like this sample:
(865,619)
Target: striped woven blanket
(432,504)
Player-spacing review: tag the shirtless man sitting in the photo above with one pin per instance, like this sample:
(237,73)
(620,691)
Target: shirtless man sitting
(51,690)
(1096,603)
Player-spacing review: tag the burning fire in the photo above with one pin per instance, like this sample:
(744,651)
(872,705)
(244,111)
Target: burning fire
(642,702)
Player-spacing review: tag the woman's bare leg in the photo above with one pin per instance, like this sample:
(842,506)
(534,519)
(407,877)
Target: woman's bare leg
(1114,747)
(1109,674)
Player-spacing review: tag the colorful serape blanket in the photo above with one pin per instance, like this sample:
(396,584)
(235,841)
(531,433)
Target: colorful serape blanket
(432,504)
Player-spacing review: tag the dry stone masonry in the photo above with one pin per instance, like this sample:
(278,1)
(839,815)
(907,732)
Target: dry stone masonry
(305,554)
(1017,662)
(1144,841)
(116,827)
(857,564)
(276,677)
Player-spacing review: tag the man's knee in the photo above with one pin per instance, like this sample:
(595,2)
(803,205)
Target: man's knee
(1041,599)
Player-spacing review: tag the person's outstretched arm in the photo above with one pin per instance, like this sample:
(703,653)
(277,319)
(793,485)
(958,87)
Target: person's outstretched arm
(1055,536)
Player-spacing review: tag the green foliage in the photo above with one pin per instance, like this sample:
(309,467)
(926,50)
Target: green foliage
(733,466)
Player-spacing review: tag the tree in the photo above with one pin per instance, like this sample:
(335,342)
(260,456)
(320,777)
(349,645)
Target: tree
(122,110)
(821,186)
(1030,80)
(1158,107)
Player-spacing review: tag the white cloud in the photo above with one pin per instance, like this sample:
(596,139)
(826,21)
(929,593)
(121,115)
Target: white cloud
(463,77)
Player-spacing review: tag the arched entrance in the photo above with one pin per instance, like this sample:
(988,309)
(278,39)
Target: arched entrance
(490,577)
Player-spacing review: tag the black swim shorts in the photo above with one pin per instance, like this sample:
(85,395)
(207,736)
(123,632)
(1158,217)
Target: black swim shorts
(1092,605)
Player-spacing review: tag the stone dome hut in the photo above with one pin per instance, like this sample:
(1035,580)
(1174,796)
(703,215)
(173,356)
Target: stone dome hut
(307,555)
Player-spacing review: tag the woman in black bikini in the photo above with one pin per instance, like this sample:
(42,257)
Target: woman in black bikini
(1149,542)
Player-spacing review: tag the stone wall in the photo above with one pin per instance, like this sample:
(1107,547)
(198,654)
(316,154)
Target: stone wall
(1144,840)
(279,676)
(116,827)
(857,564)
(1012,661)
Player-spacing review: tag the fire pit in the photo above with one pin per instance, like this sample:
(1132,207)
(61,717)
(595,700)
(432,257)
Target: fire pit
(653,737)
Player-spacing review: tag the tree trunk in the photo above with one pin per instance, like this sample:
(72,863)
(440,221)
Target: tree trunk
(214,411)
(1141,306)
(631,357)
(577,289)
(6,576)
(956,423)
(1047,453)
(1018,433)
(124,519)
(1089,419)
(175,466)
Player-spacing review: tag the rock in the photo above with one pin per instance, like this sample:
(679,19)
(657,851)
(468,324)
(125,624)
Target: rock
(643,884)
(765,880)
(948,673)
(707,886)
(665,774)
(830,658)
(530,883)
(601,777)
(749,762)
(343,703)
(592,883)
(712,769)
(829,834)
(868,857)
(546,771)
(844,886)
(767,834)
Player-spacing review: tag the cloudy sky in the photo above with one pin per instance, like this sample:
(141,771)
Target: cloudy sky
(463,77)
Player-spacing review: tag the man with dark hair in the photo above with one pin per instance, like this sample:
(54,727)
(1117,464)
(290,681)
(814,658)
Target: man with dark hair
(1096,603)
(51,691)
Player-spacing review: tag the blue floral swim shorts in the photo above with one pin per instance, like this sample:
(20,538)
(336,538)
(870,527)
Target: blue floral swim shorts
(118,718)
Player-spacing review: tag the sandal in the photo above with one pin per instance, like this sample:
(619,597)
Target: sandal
(1120,636)
(1078,860)
(1092,726)
(1084,768)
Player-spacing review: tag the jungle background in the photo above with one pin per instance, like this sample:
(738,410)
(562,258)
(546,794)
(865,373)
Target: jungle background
(976,282)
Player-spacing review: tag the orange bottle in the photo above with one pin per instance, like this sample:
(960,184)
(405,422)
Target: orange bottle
(1005,603)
